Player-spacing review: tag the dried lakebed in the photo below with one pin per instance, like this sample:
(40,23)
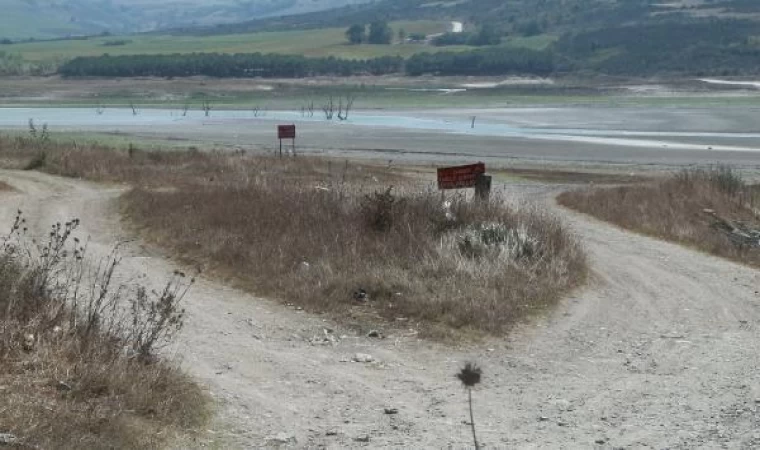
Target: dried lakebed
(577,134)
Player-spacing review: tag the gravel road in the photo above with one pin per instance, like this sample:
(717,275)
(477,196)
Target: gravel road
(660,350)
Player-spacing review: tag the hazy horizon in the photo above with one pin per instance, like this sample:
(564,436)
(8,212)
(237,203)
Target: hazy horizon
(39,19)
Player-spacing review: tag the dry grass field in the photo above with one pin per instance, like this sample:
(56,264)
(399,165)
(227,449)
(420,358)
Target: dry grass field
(712,210)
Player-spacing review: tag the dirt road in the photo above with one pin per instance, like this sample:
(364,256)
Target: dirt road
(661,351)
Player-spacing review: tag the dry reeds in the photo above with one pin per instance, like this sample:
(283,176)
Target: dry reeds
(689,207)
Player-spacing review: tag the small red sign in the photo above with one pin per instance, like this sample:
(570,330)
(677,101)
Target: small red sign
(286,131)
(460,176)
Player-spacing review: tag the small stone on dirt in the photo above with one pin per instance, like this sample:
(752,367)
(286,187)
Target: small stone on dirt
(29,342)
(391,411)
(543,419)
(282,439)
(224,368)
(363,358)
(7,439)
(331,433)
(374,334)
(361,296)
(364,438)
(601,441)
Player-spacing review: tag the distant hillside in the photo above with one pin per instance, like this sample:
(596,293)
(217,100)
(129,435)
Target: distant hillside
(530,37)
(622,37)
(23,19)
(512,16)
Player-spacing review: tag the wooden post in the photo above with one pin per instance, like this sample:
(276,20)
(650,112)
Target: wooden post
(280,148)
(483,187)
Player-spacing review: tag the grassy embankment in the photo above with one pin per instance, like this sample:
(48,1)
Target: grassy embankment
(78,367)
(712,210)
(314,232)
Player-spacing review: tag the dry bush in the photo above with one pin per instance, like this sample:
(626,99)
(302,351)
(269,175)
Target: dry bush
(690,207)
(445,262)
(76,369)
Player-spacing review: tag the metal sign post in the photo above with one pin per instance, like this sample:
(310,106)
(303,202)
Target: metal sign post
(287,132)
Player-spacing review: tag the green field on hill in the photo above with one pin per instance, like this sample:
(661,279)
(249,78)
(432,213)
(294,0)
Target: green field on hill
(314,43)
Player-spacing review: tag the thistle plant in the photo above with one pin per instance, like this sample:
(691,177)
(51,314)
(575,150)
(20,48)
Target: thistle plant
(470,376)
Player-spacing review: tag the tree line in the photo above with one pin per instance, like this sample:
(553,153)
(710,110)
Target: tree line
(492,61)
(697,47)
(379,33)
(477,62)
(227,66)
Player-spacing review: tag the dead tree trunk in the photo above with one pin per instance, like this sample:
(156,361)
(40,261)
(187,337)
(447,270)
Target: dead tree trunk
(343,114)
(329,109)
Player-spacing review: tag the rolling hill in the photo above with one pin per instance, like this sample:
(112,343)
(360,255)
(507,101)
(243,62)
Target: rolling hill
(513,16)
(41,19)
(529,37)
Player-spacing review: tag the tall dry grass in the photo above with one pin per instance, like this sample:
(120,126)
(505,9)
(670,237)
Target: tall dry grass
(76,370)
(694,207)
(443,261)
(173,168)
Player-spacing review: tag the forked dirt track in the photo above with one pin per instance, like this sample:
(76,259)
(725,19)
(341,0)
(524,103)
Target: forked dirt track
(661,350)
